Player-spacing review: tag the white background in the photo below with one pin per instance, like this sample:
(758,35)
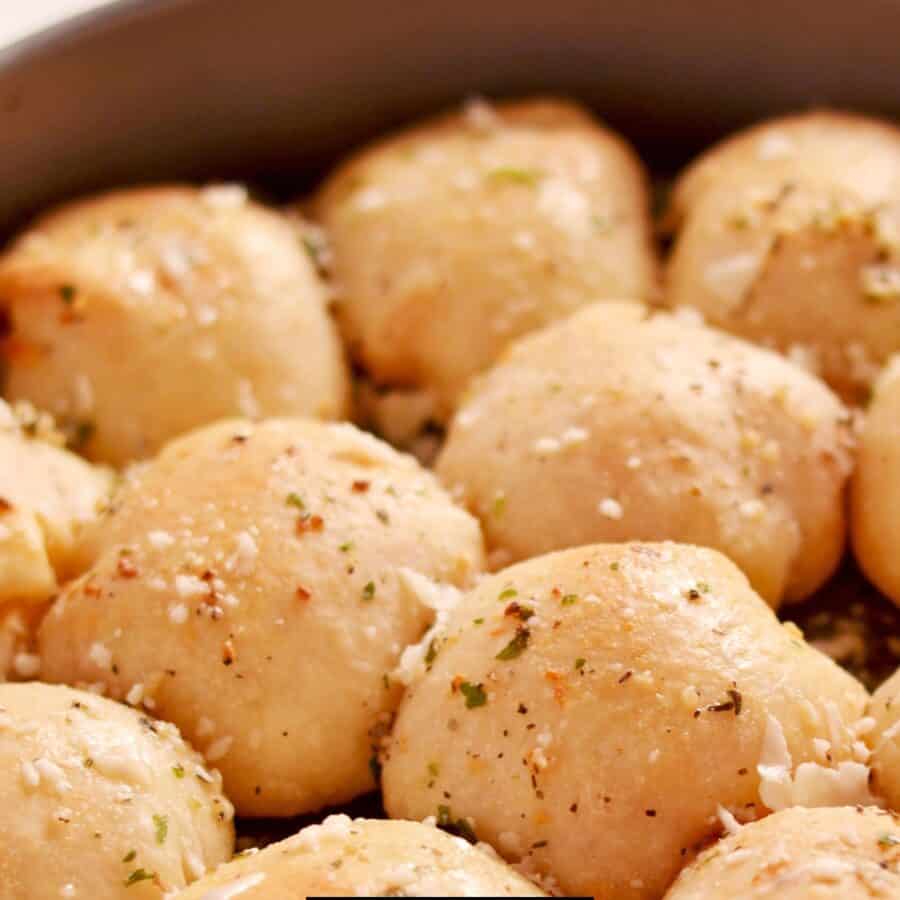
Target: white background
(20,17)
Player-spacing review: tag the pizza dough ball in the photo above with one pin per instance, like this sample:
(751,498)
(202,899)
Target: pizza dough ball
(344,857)
(875,528)
(790,236)
(47,497)
(97,801)
(256,585)
(615,425)
(589,712)
(456,236)
(138,315)
(801,854)
(884,739)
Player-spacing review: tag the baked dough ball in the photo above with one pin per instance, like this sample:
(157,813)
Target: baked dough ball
(98,801)
(790,236)
(452,238)
(884,739)
(257,584)
(138,315)
(47,497)
(615,425)
(801,854)
(588,712)
(344,857)
(875,528)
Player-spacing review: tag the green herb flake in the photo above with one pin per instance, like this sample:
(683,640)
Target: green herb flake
(499,506)
(614,566)
(434,769)
(569,599)
(161,826)
(579,663)
(515,647)
(294,499)
(431,653)
(460,827)
(507,593)
(67,293)
(178,771)
(139,875)
(368,592)
(888,840)
(474,694)
(513,175)
(129,856)
(703,587)
(346,547)
(478,621)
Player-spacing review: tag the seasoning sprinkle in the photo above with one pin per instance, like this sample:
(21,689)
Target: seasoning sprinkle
(515,647)
(161,824)
(139,875)
(474,694)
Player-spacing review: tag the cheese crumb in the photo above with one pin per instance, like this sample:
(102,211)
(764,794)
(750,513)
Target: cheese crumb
(27,665)
(610,508)
(100,655)
(190,586)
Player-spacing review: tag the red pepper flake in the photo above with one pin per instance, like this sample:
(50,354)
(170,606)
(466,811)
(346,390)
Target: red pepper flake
(360,487)
(625,677)
(310,523)
(557,679)
(524,613)
(5,505)
(457,681)
(303,595)
(126,567)
(91,590)
(228,654)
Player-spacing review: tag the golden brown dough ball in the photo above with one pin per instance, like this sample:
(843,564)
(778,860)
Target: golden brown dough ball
(616,425)
(456,236)
(346,857)
(596,713)
(98,802)
(884,739)
(842,853)
(875,525)
(138,315)
(48,496)
(790,236)
(256,585)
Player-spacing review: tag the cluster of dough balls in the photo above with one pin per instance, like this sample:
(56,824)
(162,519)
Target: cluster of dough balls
(369,858)
(48,496)
(616,424)
(841,853)
(256,584)
(140,314)
(307,605)
(453,238)
(96,798)
(789,234)
(596,714)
